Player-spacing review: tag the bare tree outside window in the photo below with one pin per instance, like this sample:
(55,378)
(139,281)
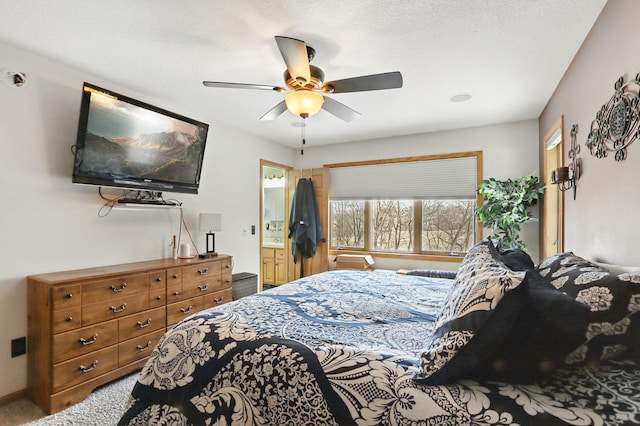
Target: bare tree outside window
(347,223)
(392,225)
(448,225)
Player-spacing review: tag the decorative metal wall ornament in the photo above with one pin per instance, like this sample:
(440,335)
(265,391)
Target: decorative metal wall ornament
(567,177)
(617,124)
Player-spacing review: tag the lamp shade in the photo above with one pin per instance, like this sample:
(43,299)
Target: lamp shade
(210,222)
(304,103)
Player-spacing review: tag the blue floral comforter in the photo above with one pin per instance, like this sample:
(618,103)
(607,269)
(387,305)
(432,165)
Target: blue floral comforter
(341,348)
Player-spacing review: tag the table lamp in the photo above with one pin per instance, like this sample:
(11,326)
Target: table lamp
(210,222)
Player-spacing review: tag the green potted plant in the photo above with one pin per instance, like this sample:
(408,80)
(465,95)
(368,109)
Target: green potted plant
(505,204)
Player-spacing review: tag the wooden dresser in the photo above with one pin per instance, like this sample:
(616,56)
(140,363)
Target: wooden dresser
(90,326)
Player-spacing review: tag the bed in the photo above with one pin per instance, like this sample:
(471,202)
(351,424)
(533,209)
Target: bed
(367,348)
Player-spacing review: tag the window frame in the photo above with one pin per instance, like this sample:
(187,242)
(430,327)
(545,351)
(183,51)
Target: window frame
(417,252)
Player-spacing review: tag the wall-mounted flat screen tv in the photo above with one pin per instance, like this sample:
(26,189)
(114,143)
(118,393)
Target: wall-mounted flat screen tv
(126,143)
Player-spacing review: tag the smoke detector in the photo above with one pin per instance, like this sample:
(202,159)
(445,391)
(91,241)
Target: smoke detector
(13,78)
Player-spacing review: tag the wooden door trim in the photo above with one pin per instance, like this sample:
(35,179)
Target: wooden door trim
(287,242)
(558,125)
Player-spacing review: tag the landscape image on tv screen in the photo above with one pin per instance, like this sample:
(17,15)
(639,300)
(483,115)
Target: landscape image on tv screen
(126,141)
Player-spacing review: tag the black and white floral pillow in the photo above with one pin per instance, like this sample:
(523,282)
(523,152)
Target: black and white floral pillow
(549,327)
(613,300)
(556,266)
(478,313)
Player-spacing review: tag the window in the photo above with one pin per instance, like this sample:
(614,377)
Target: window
(406,206)
(392,225)
(347,224)
(448,225)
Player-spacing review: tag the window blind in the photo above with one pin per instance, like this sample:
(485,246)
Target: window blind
(447,178)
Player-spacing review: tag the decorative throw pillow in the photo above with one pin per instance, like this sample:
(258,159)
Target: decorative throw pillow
(516,259)
(549,326)
(614,303)
(562,263)
(478,313)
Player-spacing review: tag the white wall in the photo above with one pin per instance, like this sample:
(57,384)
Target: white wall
(602,223)
(49,224)
(509,151)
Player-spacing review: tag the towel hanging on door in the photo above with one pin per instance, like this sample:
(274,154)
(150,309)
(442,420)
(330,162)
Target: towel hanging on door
(305,226)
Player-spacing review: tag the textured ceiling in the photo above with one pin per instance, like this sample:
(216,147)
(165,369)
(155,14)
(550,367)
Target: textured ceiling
(509,54)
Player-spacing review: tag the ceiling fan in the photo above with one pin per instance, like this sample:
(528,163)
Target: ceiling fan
(306,86)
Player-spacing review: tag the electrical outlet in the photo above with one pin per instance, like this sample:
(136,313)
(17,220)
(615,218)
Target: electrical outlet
(18,347)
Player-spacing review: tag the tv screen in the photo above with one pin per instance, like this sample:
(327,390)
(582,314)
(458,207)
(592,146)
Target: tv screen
(126,143)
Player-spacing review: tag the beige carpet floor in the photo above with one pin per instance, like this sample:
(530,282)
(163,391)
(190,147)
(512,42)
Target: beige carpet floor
(103,407)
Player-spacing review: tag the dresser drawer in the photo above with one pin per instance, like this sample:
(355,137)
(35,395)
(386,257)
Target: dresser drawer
(66,319)
(142,323)
(217,298)
(140,347)
(226,279)
(108,310)
(66,296)
(200,272)
(157,289)
(158,278)
(79,342)
(226,265)
(86,367)
(178,311)
(200,288)
(174,276)
(157,297)
(114,288)
(174,293)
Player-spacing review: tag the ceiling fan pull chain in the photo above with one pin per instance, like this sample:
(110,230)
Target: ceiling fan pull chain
(303,131)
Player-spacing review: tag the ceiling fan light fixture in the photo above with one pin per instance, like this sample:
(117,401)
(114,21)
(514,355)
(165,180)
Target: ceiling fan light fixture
(304,103)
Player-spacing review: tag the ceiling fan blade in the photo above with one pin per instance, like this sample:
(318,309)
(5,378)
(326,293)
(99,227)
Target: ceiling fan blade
(388,80)
(224,85)
(340,110)
(294,53)
(274,112)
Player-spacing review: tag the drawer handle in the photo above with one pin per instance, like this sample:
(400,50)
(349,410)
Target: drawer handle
(205,272)
(144,324)
(144,348)
(186,311)
(116,310)
(69,319)
(219,300)
(158,297)
(176,293)
(227,266)
(205,288)
(91,341)
(69,296)
(175,276)
(159,279)
(119,290)
(93,366)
